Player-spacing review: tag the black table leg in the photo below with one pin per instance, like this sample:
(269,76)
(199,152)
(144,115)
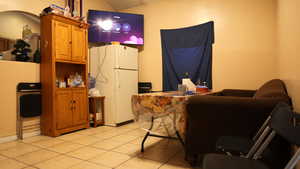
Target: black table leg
(147,134)
(179,138)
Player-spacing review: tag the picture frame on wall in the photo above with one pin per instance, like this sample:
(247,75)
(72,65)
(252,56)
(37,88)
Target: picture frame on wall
(76,7)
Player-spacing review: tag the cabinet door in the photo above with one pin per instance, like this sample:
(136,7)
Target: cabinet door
(62,40)
(79,44)
(64,116)
(80,115)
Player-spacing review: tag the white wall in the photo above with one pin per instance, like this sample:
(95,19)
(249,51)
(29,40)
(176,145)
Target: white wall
(288,47)
(14,23)
(33,6)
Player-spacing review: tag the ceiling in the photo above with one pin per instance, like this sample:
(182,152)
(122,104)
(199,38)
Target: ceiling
(124,4)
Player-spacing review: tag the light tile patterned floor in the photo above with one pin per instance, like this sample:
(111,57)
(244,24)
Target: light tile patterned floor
(94,148)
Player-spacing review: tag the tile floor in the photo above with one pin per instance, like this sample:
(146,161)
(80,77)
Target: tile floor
(94,148)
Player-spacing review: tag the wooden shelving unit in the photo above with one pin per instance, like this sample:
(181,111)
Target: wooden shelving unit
(64,53)
(96,106)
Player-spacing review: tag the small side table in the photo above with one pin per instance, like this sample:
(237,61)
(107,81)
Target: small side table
(94,104)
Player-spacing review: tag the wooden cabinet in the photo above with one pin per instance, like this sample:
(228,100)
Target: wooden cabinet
(70,42)
(4,44)
(96,112)
(62,40)
(79,44)
(63,108)
(70,107)
(64,53)
(79,107)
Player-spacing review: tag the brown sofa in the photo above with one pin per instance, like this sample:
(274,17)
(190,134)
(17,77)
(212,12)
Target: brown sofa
(229,113)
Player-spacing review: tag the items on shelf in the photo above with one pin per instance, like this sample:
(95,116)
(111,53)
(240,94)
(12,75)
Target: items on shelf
(75,10)
(75,81)
(67,12)
(71,81)
(61,84)
(37,56)
(26,33)
(92,81)
(53,9)
(94,92)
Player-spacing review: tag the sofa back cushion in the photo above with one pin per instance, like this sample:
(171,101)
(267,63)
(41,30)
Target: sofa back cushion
(274,88)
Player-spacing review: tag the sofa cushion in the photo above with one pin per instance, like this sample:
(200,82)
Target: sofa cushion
(274,88)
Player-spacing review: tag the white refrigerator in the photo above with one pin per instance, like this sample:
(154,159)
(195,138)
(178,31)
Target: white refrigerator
(115,68)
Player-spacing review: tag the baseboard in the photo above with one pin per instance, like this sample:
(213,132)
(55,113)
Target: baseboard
(31,134)
(14,137)
(118,124)
(124,123)
(8,139)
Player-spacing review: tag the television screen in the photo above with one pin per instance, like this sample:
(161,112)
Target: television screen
(114,26)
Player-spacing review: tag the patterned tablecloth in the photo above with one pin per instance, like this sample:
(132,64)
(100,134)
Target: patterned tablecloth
(160,104)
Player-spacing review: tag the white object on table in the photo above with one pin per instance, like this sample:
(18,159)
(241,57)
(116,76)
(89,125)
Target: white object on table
(189,84)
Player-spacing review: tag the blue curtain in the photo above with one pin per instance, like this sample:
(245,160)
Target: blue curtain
(187,50)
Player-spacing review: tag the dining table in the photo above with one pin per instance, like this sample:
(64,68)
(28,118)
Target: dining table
(169,108)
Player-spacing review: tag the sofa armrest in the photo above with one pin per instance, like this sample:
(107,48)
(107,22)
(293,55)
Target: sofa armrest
(297,118)
(238,93)
(210,117)
(219,93)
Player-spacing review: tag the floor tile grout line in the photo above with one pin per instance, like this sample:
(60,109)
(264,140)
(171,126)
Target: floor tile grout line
(170,158)
(150,159)
(84,145)
(106,151)
(108,137)
(101,164)
(123,163)
(66,153)
(42,148)
(58,154)
(47,148)
(26,165)
(111,150)
(21,154)
(15,158)
(21,141)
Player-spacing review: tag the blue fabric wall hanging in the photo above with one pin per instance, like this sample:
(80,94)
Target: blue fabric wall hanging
(187,50)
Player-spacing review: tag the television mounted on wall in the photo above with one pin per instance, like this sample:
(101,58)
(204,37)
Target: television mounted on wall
(109,27)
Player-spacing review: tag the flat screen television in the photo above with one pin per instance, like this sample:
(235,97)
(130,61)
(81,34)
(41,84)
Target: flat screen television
(114,26)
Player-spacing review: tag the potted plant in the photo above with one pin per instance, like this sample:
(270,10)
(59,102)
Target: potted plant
(21,51)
